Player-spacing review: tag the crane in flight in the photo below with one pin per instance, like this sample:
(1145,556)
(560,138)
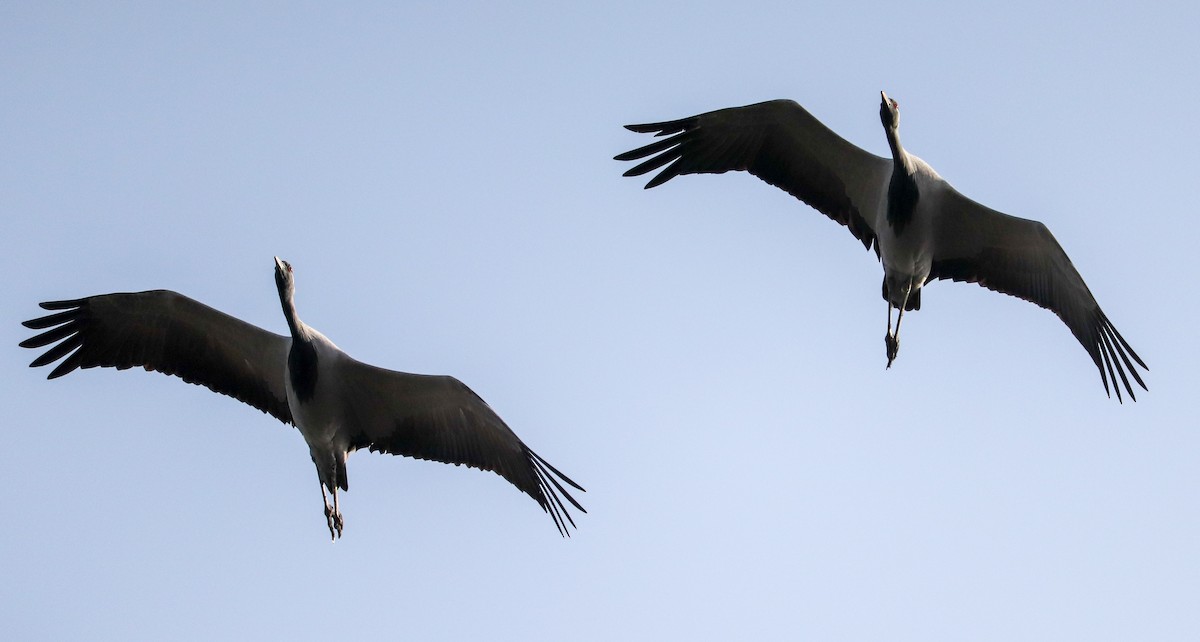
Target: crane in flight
(339,404)
(920,227)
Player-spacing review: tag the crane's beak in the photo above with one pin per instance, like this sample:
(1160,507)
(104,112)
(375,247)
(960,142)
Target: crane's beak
(885,98)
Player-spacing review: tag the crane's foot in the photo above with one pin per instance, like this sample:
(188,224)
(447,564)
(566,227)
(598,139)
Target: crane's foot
(893,346)
(333,519)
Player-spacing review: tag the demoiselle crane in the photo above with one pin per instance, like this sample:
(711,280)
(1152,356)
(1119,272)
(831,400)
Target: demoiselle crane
(338,403)
(921,228)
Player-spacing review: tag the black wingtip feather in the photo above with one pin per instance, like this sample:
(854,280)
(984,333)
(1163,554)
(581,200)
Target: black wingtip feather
(649,150)
(58,351)
(566,494)
(673,155)
(53,319)
(664,128)
(1115,352)
(559,473)
(1113,339)
(1107,358)
(667,174)
(68,365)
(558,511)
(61,305)
(550,502)
(52,335)
(553,492)
(1125,344)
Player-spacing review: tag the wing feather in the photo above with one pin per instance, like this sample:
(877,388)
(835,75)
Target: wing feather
(780,143)
(1022,258)
(439,418)
(166,332)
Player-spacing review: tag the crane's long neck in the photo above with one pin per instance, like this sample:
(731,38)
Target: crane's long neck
(902,194)
(299,331)
(899,157)
(302,358)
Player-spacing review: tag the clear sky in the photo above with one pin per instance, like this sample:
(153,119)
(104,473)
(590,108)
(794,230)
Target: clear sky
(706,358)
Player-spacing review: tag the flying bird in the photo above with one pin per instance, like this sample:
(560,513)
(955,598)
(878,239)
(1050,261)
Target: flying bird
(338,404)
(921,228)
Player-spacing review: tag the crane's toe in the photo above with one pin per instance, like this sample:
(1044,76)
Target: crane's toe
(893,346)
(333,519)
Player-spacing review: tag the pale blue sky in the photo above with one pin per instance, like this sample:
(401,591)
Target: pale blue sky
(705,357)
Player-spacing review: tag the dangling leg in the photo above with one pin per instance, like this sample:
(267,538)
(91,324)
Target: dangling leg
(337,514)
(330,511)
(894,343)
(888,339)
(330,474)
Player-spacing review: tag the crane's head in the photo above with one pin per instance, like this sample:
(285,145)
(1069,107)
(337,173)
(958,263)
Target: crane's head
(285,280)
(889,112)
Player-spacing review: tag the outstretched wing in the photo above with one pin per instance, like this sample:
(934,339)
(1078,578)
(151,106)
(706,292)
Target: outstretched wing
(781,143)
(1020,257)
(440,419)
(166,332)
